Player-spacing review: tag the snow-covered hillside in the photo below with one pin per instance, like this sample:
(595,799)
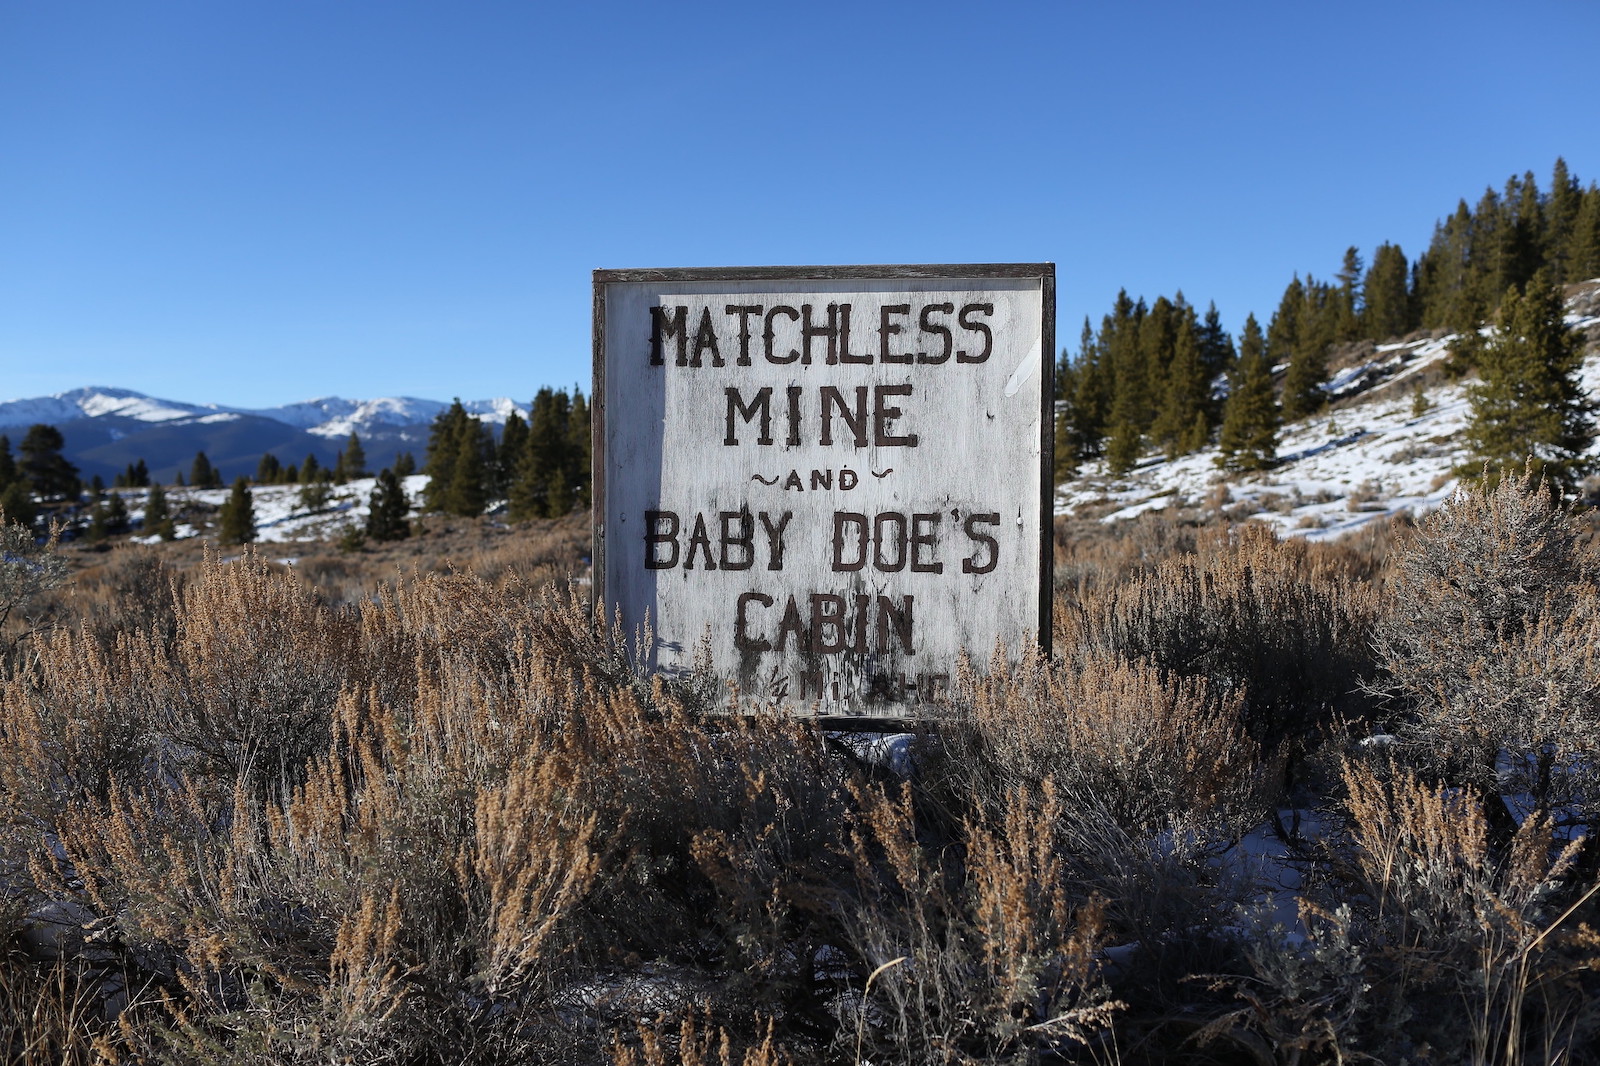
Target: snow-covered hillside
(280,517)
(1375,452)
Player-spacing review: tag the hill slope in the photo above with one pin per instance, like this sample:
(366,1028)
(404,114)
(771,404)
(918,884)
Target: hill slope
(1373,452)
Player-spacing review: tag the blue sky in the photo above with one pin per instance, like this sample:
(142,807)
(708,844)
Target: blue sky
(257,202)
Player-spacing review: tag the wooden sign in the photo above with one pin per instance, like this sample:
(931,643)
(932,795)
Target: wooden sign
(835,478)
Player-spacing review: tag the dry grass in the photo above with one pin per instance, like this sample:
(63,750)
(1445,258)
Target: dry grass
(417,806)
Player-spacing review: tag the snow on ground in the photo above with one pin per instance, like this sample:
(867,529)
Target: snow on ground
(1374,455)
(280,517)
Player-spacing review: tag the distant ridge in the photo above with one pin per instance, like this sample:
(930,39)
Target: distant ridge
(107,428)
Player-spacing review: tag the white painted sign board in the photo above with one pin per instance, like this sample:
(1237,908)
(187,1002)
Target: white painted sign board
(839,477)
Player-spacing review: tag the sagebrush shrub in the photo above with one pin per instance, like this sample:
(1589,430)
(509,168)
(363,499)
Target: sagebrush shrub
(1275,623)
(1489,646)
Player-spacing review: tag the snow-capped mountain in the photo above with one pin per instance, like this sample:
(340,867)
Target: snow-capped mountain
(327,416)
(108,428)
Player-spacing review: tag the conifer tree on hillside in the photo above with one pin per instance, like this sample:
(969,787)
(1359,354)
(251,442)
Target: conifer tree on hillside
(580,449)
(542,467)
(202,475)
(157,517)
(1447,299)
(1348,297)
(1217,357)
(96,530)
(388,508)
(1065,453)
(405,464)
(440,463)
(108,518)
(1131,407)
(315,493)
(311,470)
(1180,425)
(43,466)
(236,524)
(513,443)
(1250,420)
(1386,296)
(8,462)
(473,473)
(17,504)
(1561,217)
(1283,328)
(269,471)
(352,461)
(1584,261)
(1292,339)
(1530,404)
(1521,250)
(1088,405)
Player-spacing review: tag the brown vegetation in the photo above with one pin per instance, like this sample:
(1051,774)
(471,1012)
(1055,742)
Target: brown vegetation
(365,811)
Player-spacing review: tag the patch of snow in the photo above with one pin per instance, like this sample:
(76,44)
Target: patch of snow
(1374,456)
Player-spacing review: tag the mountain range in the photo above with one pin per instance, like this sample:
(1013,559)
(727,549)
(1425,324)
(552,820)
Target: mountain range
(108,428)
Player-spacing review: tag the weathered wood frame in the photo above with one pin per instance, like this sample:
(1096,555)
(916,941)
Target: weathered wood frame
(1045,273)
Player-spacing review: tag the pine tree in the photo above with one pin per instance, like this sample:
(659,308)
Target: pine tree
(1184,398)
(513,443)
(315,493)
(580,449)
(237,522)
(1123,446)
(201,473)
(405,464)
(387,510)
(1310,324)
(471,476)
(1065,452)
(544,462)
(269,471)
(1530,405)
(1283,329)
(17,504)
(353,459)
(1585,263)
(1387,303)
(311,470)
(157,518)
(1088,405)
(1249,439)
(444,437)
(8,464)
(96,532)
(1217,356)
(108,518)
(1348,305)
(1522,251)
(44,468)
(1444,291)
(117,518)
(1561,217)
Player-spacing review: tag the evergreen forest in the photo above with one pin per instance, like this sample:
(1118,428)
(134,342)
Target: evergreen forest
(1163,377)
